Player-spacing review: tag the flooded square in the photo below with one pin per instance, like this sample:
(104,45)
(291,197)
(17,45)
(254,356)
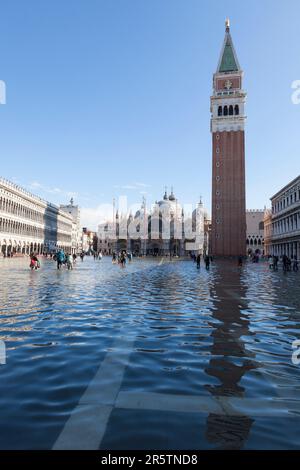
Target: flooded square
(154,355)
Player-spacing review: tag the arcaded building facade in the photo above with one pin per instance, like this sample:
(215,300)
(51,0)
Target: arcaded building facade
(28,224)
(228,160)
(255,231)
(285,214)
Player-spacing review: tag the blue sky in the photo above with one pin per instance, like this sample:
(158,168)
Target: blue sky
(112,97)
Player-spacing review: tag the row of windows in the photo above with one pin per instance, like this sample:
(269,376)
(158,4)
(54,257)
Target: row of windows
(255,241)
(19,228)
(228,110)
(287,201)
(289,249)
(19,210)
(288,224)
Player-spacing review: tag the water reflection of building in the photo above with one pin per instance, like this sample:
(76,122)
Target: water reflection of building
(165,230)
(30,224)
(230,360)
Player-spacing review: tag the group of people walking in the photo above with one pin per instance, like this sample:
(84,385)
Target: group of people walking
(288,264)
(121,258)
(65,259)
(197,259)
(68,260)
(62,259)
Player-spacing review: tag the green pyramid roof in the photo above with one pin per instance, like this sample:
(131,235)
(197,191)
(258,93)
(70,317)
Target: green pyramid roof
(228,62)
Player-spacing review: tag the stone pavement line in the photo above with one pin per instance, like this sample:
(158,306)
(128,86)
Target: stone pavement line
(167,402)
(87,423)
(229,406)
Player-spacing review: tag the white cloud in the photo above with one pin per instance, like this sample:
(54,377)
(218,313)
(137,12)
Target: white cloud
(128,186)
(91,217)
(133,186)
(36,185)
(143,185)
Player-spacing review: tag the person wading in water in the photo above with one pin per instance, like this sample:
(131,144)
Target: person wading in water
(207,262)
(60,258)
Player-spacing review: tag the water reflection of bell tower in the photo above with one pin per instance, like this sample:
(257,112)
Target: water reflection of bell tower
(230,361)
(228,161)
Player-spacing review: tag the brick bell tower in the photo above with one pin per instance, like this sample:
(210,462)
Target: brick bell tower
(228,236)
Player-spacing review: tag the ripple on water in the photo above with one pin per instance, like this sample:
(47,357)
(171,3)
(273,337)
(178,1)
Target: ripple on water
(212,335)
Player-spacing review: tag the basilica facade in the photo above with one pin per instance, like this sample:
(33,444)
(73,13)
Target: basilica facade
(165,230)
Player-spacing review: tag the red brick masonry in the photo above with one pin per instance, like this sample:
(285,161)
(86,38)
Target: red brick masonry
(228,194)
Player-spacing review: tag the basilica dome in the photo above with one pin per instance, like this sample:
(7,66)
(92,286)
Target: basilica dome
(170,205)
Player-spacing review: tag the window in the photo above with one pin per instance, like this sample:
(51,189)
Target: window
(236,110)
(225,111)
(230,110)
(220,112)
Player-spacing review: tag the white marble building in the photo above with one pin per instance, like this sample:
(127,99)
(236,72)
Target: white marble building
(285,217)
(163,230)
(255,231)
(77,234)
(29,224)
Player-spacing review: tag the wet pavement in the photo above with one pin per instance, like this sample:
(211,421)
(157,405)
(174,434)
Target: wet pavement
(157,355)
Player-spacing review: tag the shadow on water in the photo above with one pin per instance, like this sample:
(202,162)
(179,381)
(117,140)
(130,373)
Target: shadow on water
(230,359)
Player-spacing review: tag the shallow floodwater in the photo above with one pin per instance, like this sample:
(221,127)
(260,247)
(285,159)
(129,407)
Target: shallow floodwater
(156,355)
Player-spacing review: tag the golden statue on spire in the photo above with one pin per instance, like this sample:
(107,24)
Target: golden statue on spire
(227,25)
